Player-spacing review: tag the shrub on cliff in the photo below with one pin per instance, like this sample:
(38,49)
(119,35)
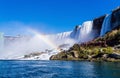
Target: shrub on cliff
(107,50)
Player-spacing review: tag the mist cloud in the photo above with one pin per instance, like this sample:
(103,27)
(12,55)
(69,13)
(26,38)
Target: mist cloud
(31,38)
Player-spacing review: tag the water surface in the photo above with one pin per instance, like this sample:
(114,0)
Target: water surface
(59,69)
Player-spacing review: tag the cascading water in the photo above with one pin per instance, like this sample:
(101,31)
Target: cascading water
(106,26)
(84,33)
(63,35)
(61,38)
(75,33)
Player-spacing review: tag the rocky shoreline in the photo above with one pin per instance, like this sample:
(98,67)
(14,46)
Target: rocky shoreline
(104,57)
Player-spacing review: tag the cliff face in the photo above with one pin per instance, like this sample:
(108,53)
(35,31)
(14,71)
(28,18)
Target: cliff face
(114,21)
(115,18)
(97,25)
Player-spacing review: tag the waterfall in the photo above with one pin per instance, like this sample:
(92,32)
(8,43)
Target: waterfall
(81,33)
(63,35)
(75,33)
(84,34)
(106,26)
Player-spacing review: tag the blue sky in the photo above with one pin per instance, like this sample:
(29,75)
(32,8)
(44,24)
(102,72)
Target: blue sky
(50,16)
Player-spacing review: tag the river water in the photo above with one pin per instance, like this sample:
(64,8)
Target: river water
(59,69)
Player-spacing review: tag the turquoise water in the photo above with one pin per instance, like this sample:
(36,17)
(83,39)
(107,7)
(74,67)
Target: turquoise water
(59,69)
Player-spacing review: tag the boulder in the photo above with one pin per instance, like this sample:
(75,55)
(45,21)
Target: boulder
(114,55)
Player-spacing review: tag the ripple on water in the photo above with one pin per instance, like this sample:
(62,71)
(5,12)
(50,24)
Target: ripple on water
(59,69)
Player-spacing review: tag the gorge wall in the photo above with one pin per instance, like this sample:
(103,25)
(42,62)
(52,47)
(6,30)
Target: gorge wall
(114,22)
(115,18)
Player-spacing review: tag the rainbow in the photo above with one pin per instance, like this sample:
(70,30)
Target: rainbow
(45,39)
